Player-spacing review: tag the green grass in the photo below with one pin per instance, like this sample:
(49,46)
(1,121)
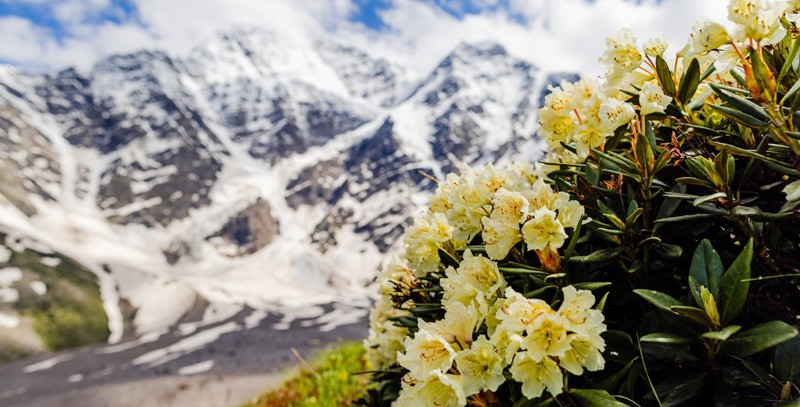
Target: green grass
(328,381)
(71,313)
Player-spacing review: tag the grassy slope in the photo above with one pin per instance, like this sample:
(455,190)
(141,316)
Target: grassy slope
(70,314)
(327,382)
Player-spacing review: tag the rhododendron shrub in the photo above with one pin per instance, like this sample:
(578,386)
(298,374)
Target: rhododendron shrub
(651,257)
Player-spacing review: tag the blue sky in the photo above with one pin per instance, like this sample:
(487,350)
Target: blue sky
(559,34)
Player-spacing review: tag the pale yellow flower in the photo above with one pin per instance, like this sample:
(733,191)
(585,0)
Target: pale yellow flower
(576,310)
(555,127)
(423,239)
(439,389)
(480,366)
(614,113)
(509,207)
(520,312)
(621,55)
(590,136)
(543,229)
(559,101)
(540,195)
(708,35)
(481,273)
(757,19)
(537,376)
(507,343)
(426,353)
(547,336)
(499,238)
(652,99)
(585,351)
(569,212)
(384,339)
(457,326)
(655,46)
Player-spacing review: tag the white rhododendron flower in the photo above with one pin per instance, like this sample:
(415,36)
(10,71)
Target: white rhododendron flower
(426,353)
(656,46)
(622,55)
(385,338)
(520,312)
(576,310)
(536,376)
(584,352)
(457,326)
(481,367)
(652,99)
(708,35)
(615,113)
(546,336)
(757,19)
(423,240)
(543,230)
(439,389)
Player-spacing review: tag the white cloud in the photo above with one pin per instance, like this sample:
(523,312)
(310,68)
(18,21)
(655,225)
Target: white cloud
(562,34)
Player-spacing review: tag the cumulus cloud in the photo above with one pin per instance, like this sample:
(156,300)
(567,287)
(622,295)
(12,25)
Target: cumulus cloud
(555,34)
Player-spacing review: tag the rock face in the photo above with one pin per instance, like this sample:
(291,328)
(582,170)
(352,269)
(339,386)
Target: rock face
(259,158)
(250,230)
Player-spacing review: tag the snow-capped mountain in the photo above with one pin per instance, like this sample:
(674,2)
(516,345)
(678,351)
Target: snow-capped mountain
(261,169)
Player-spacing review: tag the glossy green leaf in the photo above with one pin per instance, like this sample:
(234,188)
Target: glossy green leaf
(591,285)
(665,76)
(787,64)
(677,390)
(735,285)
(660,300)
(787,360)
(707,267)
(595,398)
(686,218)
(739,117)
(667,338)
(752,154)
(723,334)
(689,82)
(759,338)
(706,198)
(599,256)
(741,104)
(448,259)
(693,313)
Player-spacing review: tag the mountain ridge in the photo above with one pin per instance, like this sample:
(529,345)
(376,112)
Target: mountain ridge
(251,172)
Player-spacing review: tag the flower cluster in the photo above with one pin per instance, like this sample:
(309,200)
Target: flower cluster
(488,327)
(526,336)
(493,299)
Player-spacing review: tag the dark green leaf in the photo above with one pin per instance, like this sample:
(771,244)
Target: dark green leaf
(595,398)
(787,64)
(734,285)
(599,256)
(665,76)
(693,313)
(739,117)
(752,154)
(591,285)
(707,267)
(741,104)
(686,218)
(787,360)
(611,383)
(667,338)
(680,389)
(660,300)
(759,338)
(448,259)
(723,334)
(689,82)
